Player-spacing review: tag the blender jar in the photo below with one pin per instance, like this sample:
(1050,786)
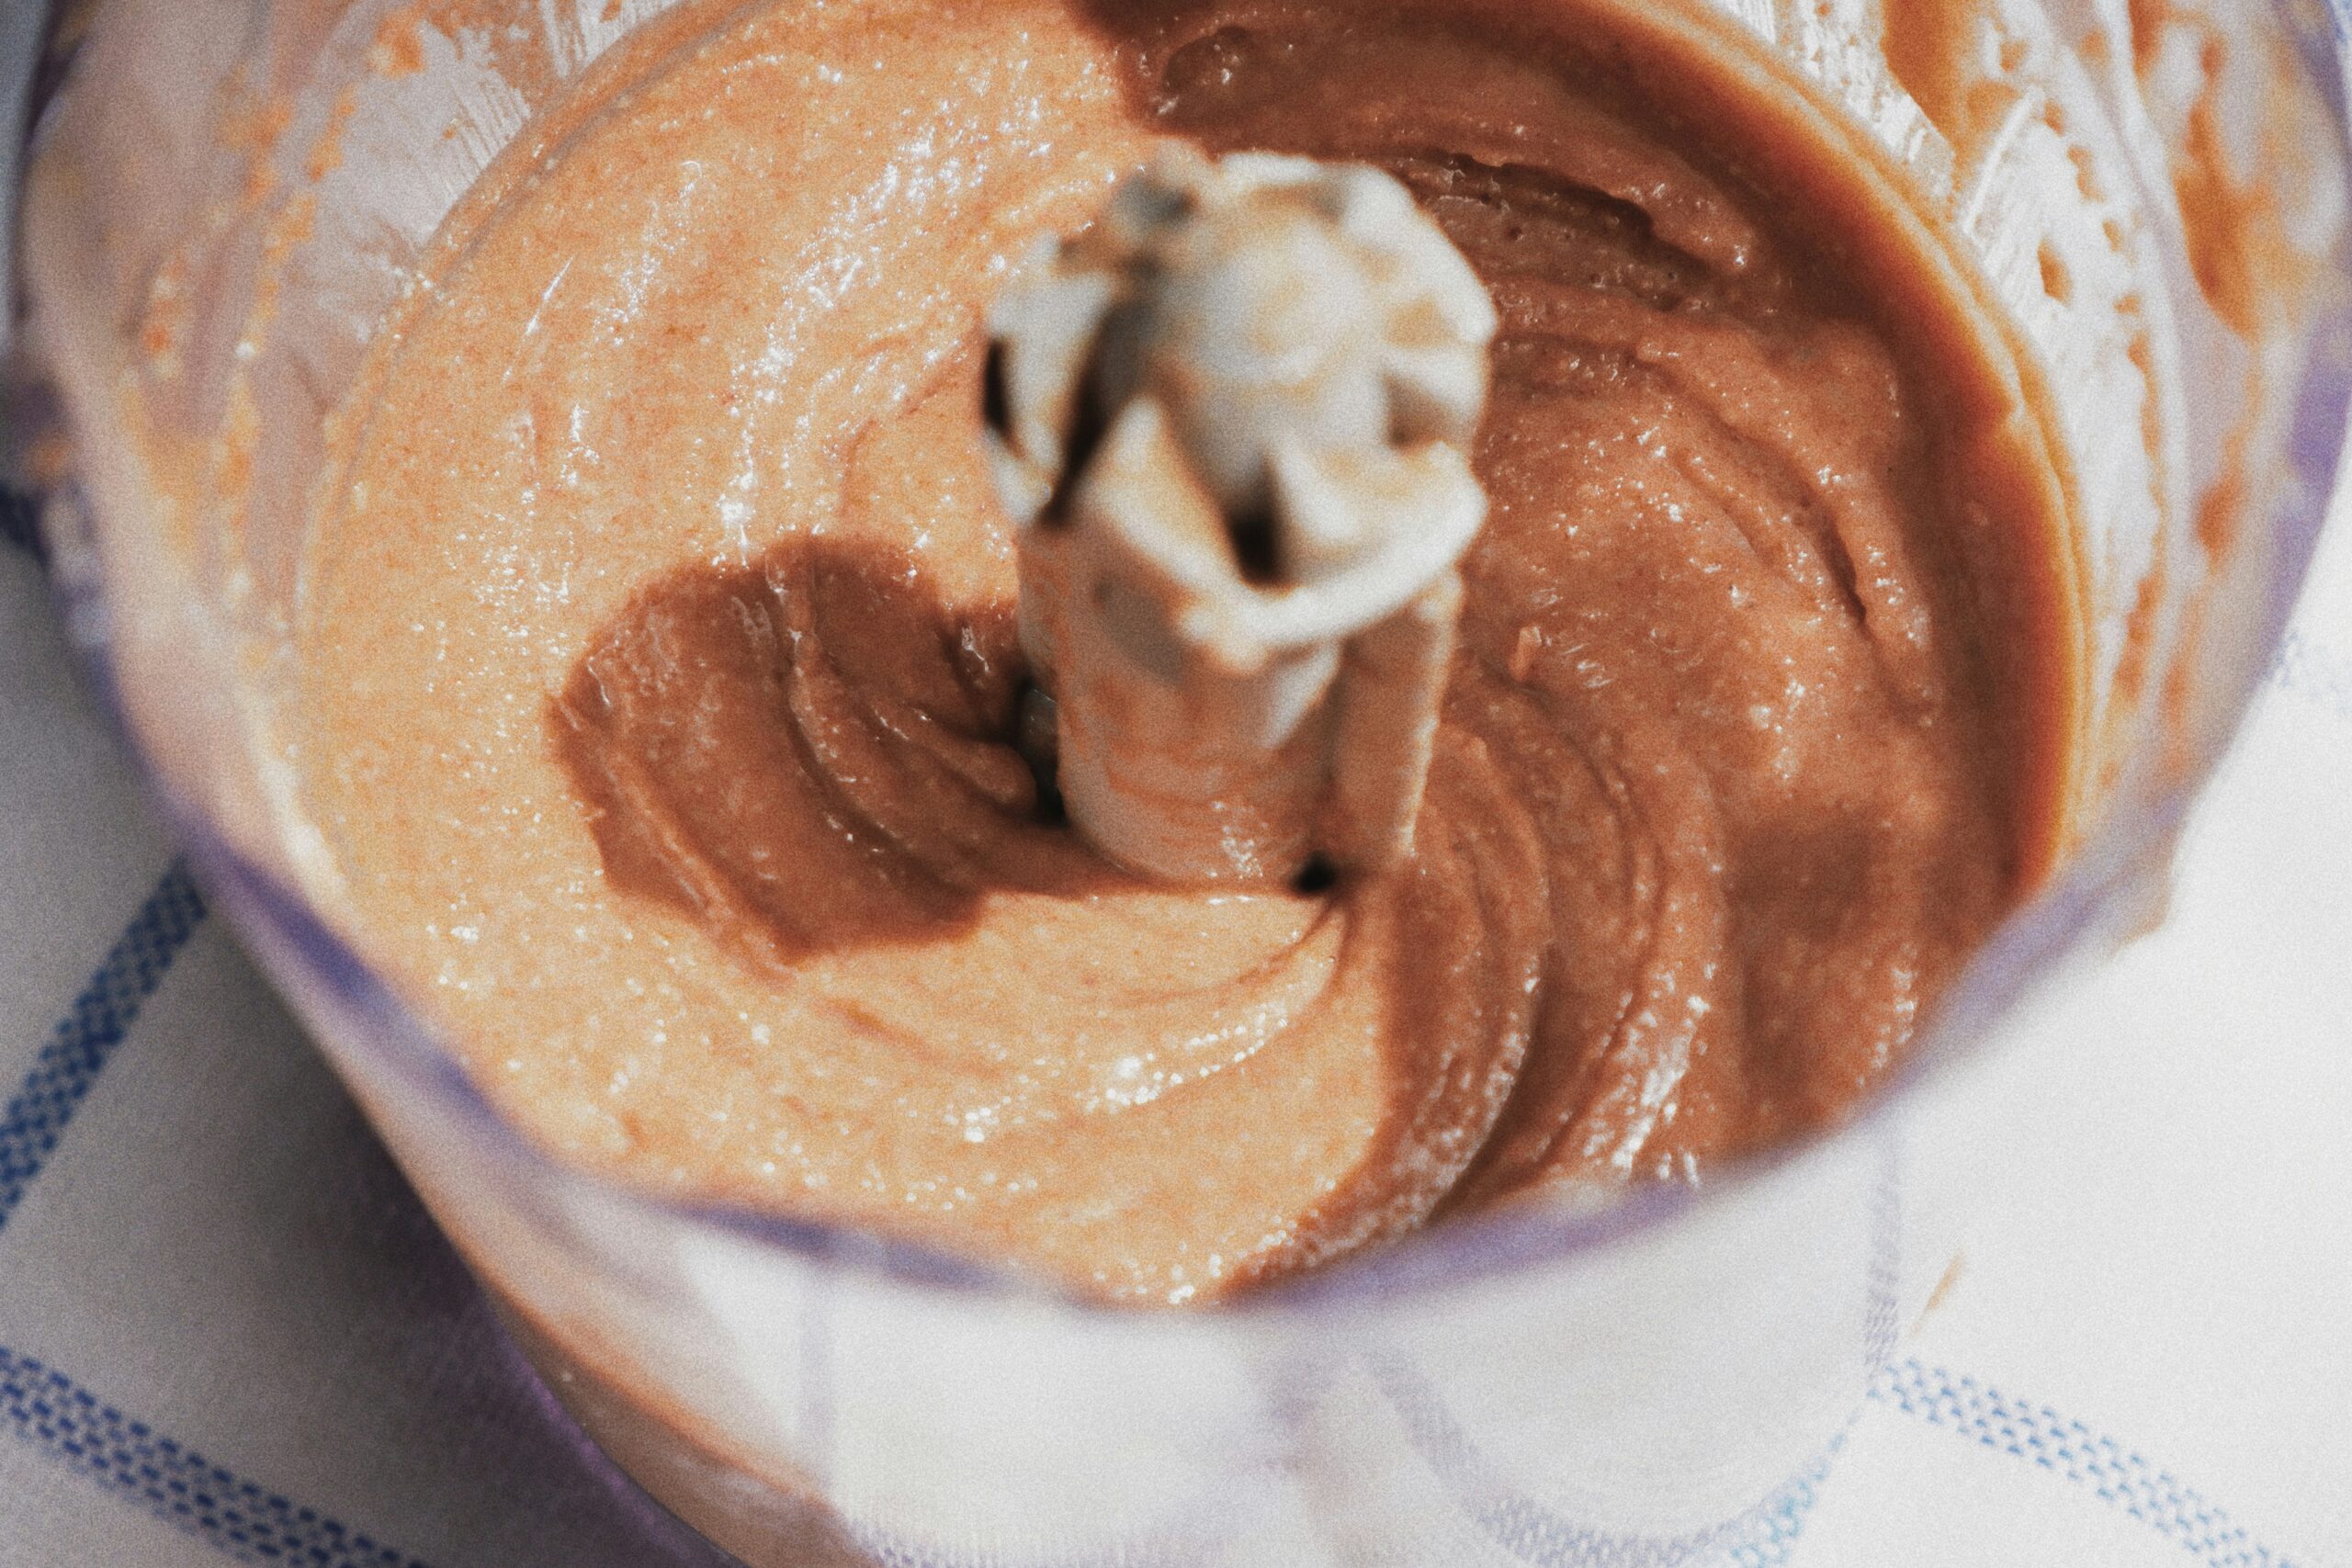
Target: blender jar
(231,194)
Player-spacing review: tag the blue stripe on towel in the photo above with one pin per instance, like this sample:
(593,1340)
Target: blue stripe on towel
(78,1047)
(2067,1448)
(46,1407)
(176,1484)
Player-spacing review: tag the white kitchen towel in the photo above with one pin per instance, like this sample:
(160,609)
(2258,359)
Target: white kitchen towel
(227,1328)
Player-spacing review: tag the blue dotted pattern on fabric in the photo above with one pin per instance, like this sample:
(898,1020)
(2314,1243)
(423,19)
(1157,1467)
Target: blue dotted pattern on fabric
(2041,1437)
(1783,1526)
(175,1482)
(78,1047)
(1533,1532)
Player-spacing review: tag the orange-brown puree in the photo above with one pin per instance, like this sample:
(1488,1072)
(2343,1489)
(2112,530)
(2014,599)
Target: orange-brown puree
(661,675)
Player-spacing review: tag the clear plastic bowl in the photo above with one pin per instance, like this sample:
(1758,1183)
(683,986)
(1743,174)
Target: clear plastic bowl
(1661,1381)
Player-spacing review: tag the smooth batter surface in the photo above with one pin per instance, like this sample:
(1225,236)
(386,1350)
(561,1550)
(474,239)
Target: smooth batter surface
(660,669)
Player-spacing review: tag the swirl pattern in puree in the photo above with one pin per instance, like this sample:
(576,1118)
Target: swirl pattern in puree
(659,674)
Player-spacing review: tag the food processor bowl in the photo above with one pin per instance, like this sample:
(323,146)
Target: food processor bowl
(229,198)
